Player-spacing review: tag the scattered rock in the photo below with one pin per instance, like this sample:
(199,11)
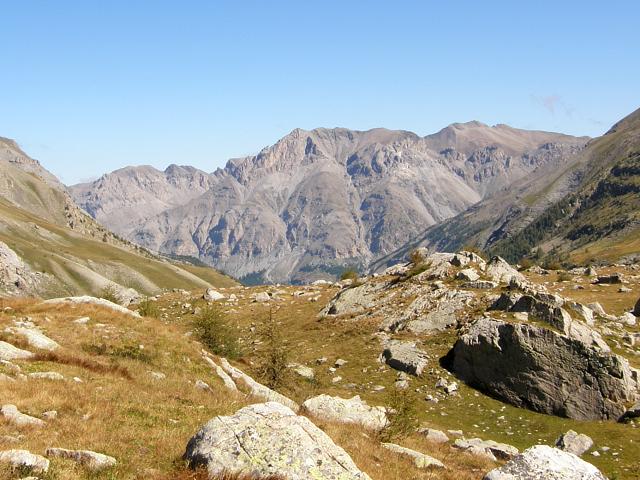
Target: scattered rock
(499,270)
(269,439)
(340,363)
(573,442)
(303,371)
(341,410)
(420,460)
(47,376)
(34,337)
(486,448)
(200,385)
(609,279)
(50,414)
(404,356)
(543,462)
(24,460)
(468,274)
(261,297)
(88,459)
(212,295)
(19,419)
(436,436)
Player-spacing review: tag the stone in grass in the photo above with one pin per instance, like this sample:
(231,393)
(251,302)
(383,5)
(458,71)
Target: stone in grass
(24,460)
(433,435)
(573,442)
(544,462)
(486,448)
(420,459)
(91,460)
(19,419)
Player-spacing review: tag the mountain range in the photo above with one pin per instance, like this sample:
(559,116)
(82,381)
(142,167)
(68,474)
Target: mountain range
(321,201)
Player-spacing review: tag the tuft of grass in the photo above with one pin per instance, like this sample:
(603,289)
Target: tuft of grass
(402,416)
(273,362)
(149,308)
(109,293)
(85,363)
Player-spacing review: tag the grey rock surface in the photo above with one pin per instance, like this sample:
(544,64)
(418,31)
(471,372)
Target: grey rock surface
(346,410)
(543,370)
(573,442)
(405,356)
(269,439)
(420,460)
(91,460)
(22,460)
(543,462)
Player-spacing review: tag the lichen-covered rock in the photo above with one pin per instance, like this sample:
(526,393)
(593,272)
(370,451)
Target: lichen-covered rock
(543,462)
(405,356)
(346,410)
(269,439)
(573,442)
(88,459)
(23,460)
(543,370)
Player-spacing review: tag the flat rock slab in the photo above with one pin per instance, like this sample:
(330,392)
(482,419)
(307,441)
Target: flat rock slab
(486,448)
(543,462)
(269,439)
(343,410)
(34,337)
(88,459)
(19,419)
(420,459)
(24,460)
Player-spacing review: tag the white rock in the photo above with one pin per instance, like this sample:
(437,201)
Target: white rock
(9,352)
(543,462)
(436,436)
(86,299)
(342,410)
(23,459)
(212,295)
(226,379)
(46,376)
(14,416)
(34,337)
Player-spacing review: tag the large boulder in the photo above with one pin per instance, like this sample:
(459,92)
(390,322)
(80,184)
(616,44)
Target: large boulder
(405,356)
(346,410)
(499,270)
(540,369)
(269,439)
(543,462)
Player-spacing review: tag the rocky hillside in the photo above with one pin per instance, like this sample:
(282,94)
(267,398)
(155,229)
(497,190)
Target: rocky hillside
(319,201)
(450,367)
(586,209)
(48,246)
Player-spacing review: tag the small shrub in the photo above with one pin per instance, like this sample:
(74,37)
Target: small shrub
(402,416)
(148,308)
(211,329)
(272,369)
(110,293)
(350,274)
(564,277)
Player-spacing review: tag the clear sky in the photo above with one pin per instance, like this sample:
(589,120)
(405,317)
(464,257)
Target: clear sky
(87,87)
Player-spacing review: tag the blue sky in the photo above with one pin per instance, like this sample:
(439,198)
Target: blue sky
(88,87)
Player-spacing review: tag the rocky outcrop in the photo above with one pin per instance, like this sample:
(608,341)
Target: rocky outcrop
(542,462)
(343,410)
(543,370)
(404,356)
(269,439)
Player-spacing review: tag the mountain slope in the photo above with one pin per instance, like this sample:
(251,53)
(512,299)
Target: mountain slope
(320,200)
(49,247)
(592,200)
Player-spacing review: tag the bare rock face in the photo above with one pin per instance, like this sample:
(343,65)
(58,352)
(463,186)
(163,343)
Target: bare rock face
(545,371)
(547,463)
(269,439)
(343,410)
(15,275)
(325,197)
